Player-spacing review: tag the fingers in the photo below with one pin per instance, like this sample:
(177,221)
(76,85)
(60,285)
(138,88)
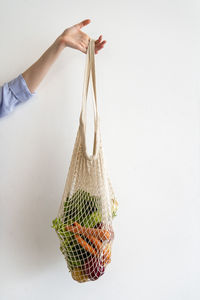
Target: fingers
(99,39)
(83,23)
(99,44)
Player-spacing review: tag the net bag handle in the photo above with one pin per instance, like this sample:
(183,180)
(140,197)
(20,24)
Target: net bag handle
(90,70)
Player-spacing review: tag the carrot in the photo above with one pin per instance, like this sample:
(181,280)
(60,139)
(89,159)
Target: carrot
(96,242)
(99,246)
(92,238)
(85,245)
(103,234)
(107,255)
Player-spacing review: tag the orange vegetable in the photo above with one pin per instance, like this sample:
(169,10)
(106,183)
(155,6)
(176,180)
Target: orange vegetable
(98,244)
(107,254)
(85,245)
(99,233)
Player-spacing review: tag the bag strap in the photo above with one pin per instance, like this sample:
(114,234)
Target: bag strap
(90,70)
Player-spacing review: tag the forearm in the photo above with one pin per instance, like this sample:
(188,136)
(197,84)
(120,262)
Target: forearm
(35,73)
(71,37)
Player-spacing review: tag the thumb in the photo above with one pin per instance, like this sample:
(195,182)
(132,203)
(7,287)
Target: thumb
(83,23)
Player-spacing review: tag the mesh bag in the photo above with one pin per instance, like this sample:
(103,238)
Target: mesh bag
(84,220)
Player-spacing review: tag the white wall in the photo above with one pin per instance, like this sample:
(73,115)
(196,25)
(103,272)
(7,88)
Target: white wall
(148,84)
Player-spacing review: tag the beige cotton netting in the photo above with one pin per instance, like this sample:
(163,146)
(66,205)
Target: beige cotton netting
(84,221)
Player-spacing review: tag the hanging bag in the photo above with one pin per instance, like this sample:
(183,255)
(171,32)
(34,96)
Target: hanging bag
(84,221)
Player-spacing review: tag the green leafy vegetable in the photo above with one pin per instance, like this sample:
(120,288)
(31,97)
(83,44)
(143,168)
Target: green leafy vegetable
(80,206)
(69,245)
(92,220)
(85,209)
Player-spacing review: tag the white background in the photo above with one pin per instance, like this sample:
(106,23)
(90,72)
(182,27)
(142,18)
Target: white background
(148,83)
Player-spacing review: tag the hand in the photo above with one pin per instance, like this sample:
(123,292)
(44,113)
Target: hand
(73,37)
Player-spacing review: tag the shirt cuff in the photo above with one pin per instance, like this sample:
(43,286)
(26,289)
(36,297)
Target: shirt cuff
(20,89)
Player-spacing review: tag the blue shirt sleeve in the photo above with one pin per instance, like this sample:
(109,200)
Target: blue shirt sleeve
(13,93)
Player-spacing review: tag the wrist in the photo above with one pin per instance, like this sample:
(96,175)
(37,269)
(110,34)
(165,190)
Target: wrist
(59,43)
